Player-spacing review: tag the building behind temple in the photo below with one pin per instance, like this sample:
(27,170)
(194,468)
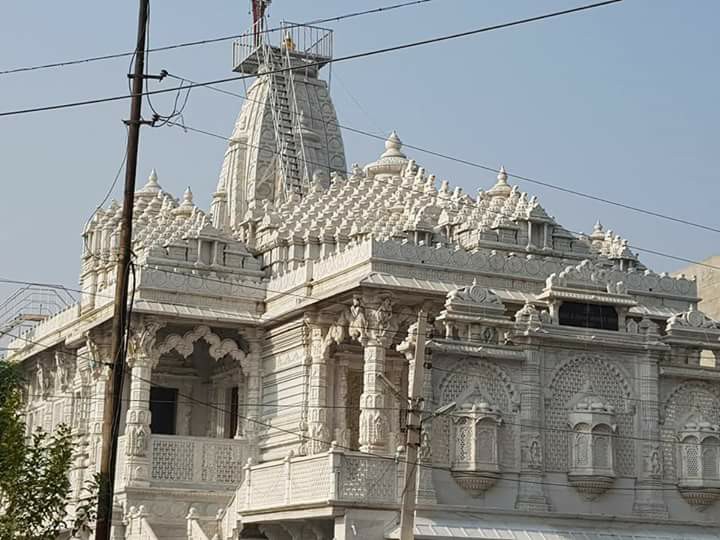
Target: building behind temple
(271,339)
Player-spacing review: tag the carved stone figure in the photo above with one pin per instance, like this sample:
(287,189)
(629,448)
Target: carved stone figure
(535,454)
(357,326)
(655,465)
(42,382)
(140,441)
(61,371)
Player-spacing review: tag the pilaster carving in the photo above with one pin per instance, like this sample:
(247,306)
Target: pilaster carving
(649,499)
(318,429)
(98,350)
(342,430)
(374,424)
(252,372)
(143,356)
(531,491)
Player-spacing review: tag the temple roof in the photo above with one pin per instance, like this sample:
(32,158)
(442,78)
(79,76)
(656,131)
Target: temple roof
(395,198)
(159,220)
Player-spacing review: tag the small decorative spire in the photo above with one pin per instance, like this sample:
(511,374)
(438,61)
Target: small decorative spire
(187,197)
(186,206)
(502,175)
(501,187)
(152,186)
(393,146)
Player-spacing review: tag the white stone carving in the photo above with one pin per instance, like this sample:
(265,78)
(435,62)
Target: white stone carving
(219,347)
(699,459)
(474,444)
(592,456)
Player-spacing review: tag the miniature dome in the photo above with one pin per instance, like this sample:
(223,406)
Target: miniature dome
(392,161)
(501,187)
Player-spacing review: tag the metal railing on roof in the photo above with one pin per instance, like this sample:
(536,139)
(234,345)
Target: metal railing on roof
(29,306)
(301,41)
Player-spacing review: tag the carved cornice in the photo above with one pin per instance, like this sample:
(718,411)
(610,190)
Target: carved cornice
(693,328)
(690,372)
(481,351)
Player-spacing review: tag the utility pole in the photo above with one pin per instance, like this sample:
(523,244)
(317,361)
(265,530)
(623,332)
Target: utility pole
(119,325)
(414,427)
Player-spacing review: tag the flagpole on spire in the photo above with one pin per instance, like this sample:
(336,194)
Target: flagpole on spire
(258,11)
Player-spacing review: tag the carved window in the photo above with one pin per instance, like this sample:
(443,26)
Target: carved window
(581,445)
(487,444)
(592,469)
(601,443)
(710,458)
(699,481)
(588,316)
(462,440)
(474,446)
(691,457)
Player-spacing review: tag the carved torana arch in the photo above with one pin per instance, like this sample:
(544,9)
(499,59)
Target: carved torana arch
(219,347)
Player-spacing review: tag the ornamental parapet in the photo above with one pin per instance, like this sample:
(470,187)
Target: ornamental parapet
(336,477)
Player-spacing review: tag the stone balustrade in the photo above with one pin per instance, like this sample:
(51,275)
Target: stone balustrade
(192,462)
(197,461)
(333,477)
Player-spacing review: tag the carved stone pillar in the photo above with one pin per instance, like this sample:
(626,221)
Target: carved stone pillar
(342,432)
(99,353)
(318,429)
(252,374)
(649,499)
(142,358)
(531,493)
(374,424)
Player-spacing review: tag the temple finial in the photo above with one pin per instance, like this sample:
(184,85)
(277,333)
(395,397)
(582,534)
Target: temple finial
(501,187)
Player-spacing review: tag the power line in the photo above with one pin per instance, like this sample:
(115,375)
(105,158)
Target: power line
(319,64)
(300,405)
(301,435)
(303,296)
(477,165)
(112,56)
(466,341)
(459,203)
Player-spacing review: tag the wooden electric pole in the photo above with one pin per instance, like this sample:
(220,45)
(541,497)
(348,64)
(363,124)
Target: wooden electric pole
(407,510)
(111,412)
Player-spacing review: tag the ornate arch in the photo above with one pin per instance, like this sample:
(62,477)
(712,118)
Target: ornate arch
(219,347)
(463,368)
(620,374)
(702,397)
(607,379)
(712,389)
(466,376)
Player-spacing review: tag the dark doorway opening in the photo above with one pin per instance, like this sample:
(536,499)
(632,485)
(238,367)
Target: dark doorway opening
(163,408)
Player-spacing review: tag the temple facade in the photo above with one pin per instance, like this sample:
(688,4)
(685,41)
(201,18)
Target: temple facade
(272,338)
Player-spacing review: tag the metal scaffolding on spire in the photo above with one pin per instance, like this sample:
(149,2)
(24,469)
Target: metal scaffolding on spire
(279,56)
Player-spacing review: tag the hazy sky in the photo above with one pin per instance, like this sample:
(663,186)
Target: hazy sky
(621,102)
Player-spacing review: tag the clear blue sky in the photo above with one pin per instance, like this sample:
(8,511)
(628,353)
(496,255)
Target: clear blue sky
(620,101)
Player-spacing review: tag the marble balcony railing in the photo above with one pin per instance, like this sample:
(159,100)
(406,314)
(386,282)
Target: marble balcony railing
(334,477)
(193,462)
